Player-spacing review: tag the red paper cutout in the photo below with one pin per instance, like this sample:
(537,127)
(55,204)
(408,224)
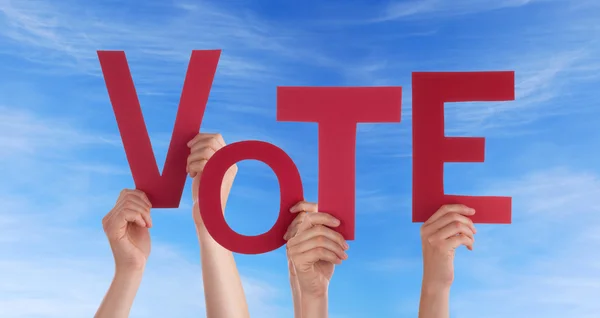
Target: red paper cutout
(164,191)
(431,148)
(209,195)
(338,110)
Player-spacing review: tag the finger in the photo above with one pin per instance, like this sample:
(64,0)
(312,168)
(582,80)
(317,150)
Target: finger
(451,230)
(456,241)
(197,167)
(138,197)
(293,227)
(203,137)
(138,205)
(220,139)
(318,231)
(140,194)
(304,206)
(448,208)
(318,241)
(320,218)
(447,219)
(197,138)
(131,216)
(315,255)
(108,218)
(210,142)
(305,224)
(203,153)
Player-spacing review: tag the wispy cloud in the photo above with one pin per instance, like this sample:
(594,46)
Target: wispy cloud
(55,257)
(399,10)
(71,34)
(22,131)
(556,214)
(436,8)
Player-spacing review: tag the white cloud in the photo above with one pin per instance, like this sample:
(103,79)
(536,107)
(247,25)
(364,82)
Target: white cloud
(69,35)
(544,263)
(55,259)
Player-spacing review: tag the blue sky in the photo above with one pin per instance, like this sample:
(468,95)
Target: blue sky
(63,165)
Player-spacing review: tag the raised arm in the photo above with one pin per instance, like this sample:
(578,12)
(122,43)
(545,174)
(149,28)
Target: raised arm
(223,291)
(126,227)
(313,249)
(446,230)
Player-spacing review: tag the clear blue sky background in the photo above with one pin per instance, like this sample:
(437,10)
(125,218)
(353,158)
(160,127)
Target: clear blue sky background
(62,163)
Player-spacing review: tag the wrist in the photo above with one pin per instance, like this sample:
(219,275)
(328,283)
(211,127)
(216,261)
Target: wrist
(435,289)
(129,271)
(314,306)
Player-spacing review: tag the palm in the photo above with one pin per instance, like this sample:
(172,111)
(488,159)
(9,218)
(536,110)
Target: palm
(325,269)
(316,277)
(137,241)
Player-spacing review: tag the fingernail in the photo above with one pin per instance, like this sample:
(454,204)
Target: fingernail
(293,209)
(345,256)
(336,222)
(346,246)
(472,210)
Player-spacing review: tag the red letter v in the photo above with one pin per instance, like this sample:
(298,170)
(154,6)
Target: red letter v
(164,191)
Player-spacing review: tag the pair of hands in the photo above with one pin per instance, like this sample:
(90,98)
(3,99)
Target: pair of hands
(128,222)
(314,247)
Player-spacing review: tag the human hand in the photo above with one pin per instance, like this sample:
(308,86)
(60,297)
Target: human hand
(313,249)
(202,147)
(441,234)
(126,227)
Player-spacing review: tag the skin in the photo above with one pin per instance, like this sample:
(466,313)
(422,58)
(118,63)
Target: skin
(313,250)
(446,230)
(127,229)
(224,294)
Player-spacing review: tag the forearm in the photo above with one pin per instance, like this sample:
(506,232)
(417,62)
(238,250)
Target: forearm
(314,307)
(435,302)
(296,297)
(119,298)
(223,289)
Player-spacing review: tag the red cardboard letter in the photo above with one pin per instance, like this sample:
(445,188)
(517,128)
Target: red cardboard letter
(163,191)
(338,110)
(431,148)
(209,195)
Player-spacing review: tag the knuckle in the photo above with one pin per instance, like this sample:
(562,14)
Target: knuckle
(320,251)
(307,217)
(214,142)
(431,240)
(322,230)
(320,240)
